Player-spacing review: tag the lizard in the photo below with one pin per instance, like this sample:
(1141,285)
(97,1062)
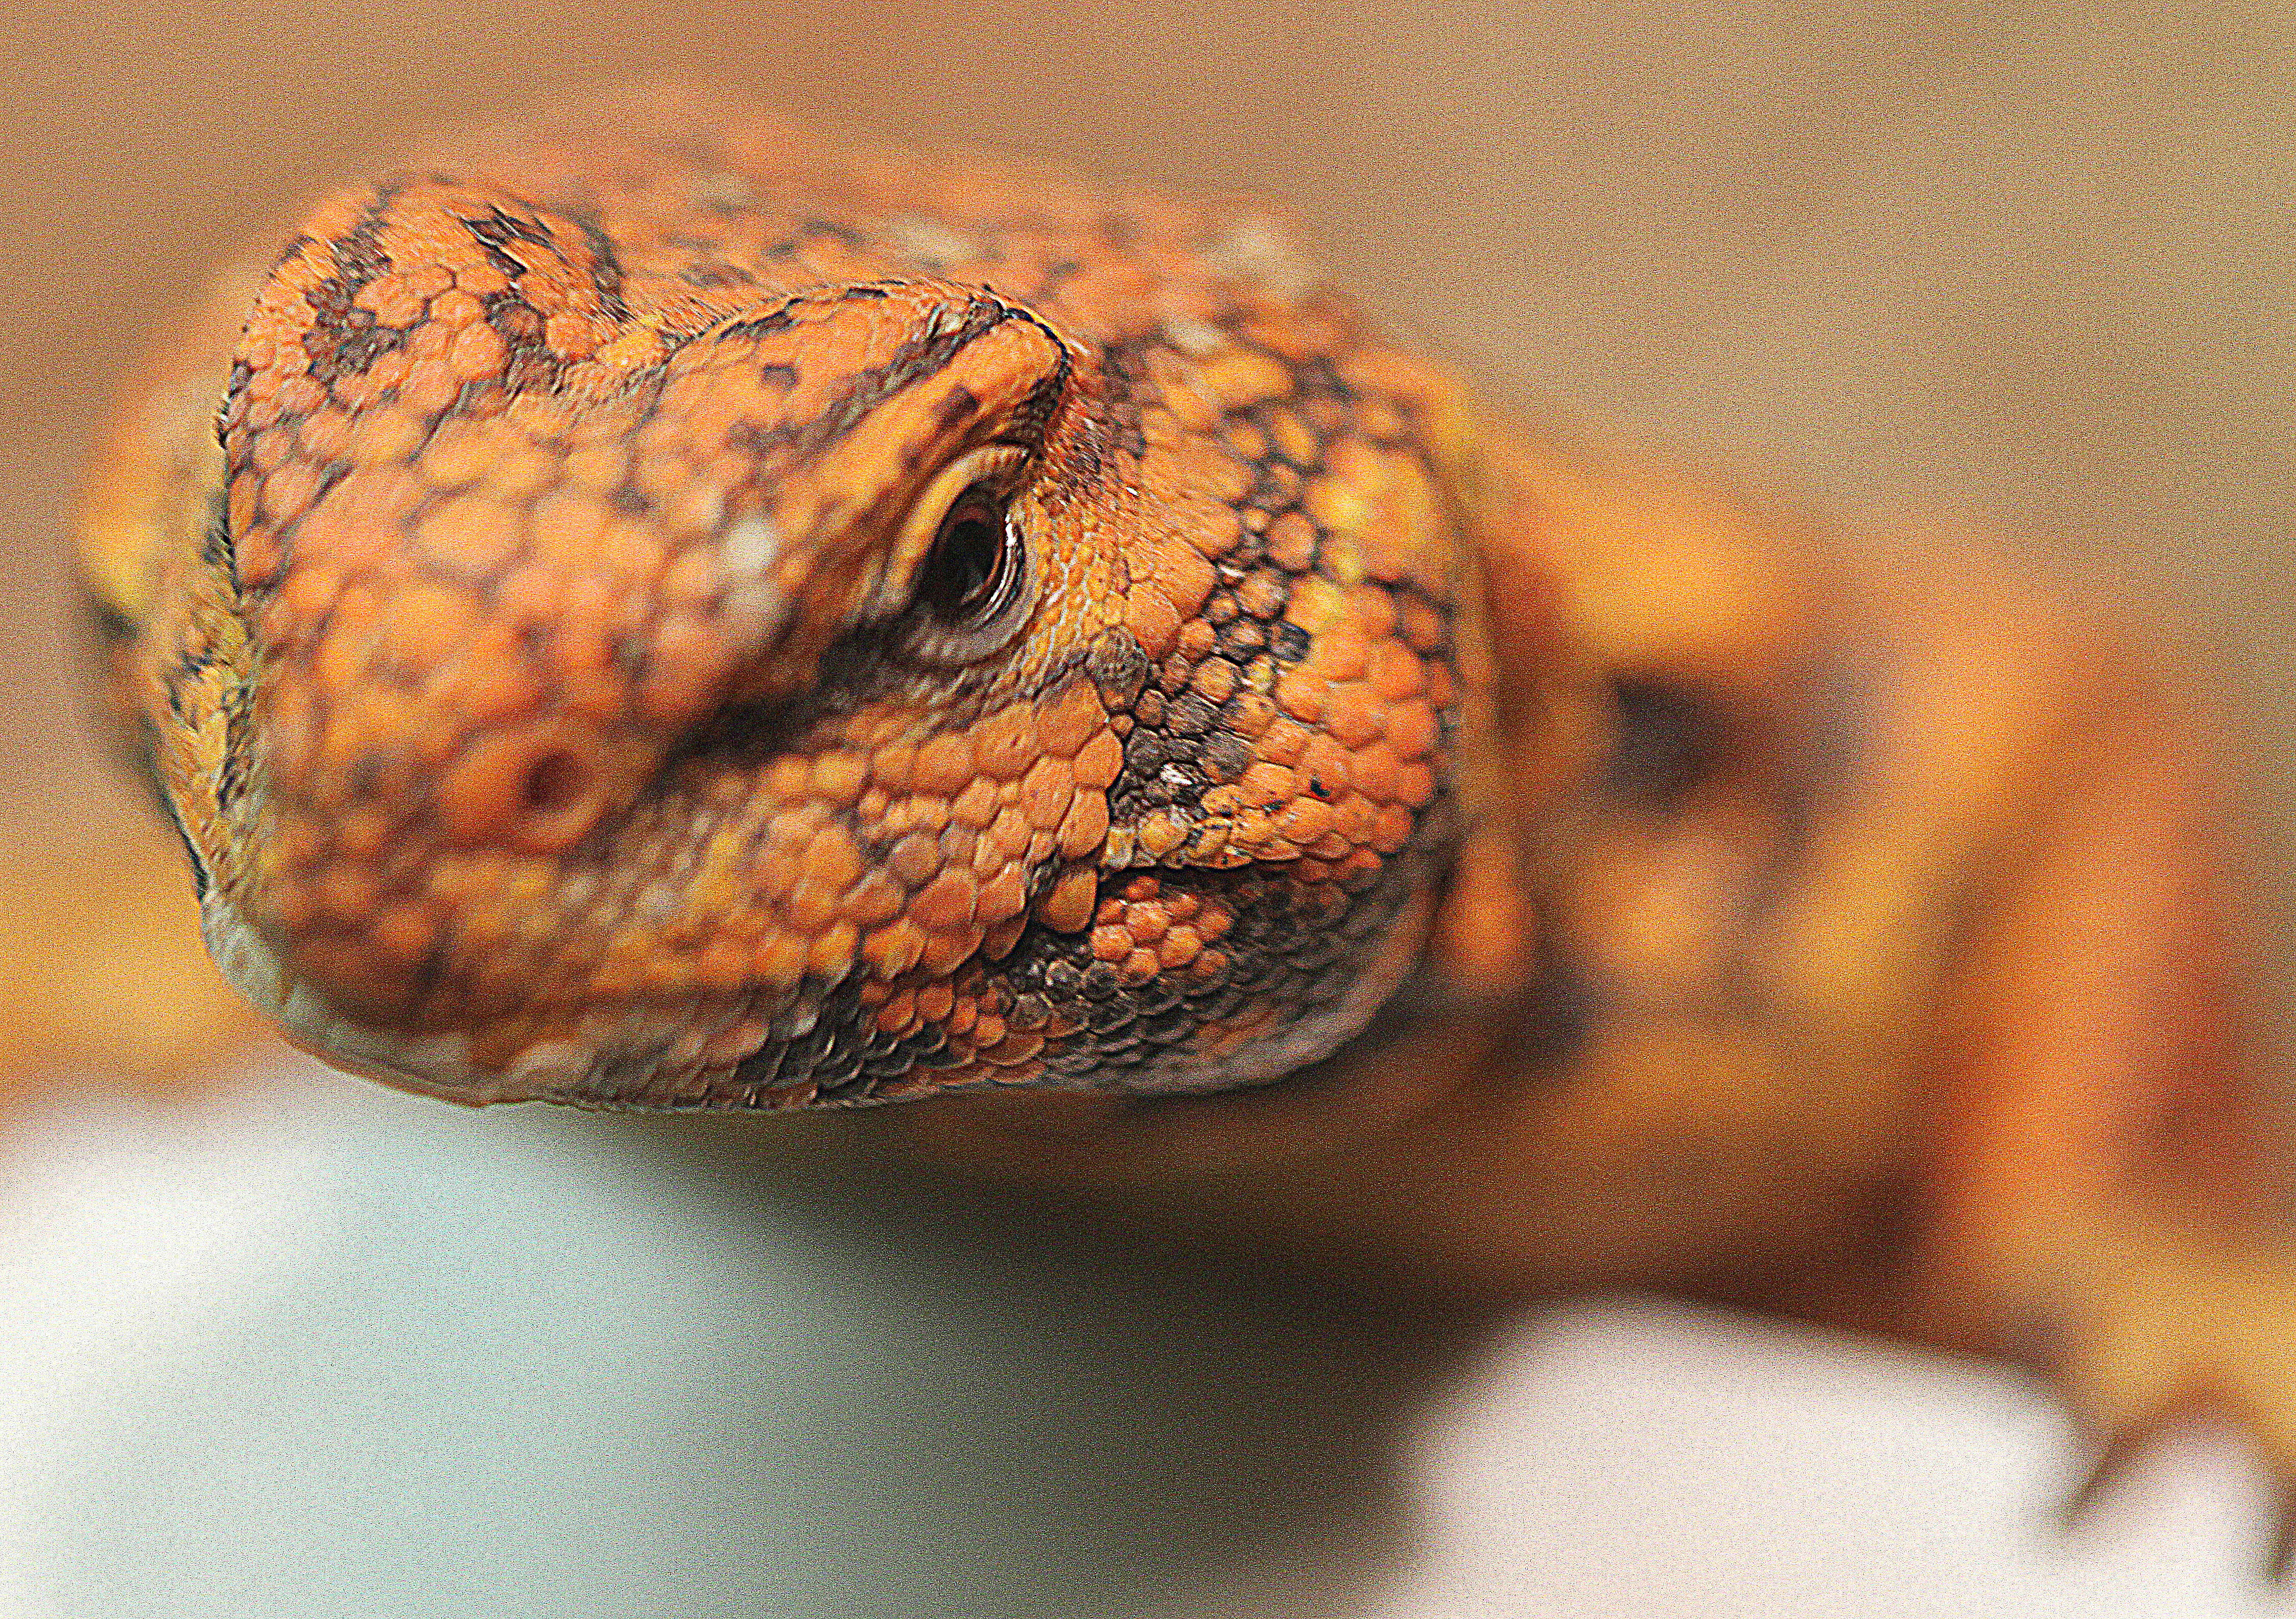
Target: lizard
(642,608)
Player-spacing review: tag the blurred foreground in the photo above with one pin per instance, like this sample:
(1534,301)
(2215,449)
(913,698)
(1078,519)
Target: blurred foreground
(315,1349)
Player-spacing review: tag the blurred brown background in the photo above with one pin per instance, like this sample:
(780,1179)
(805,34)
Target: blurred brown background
(2026,262)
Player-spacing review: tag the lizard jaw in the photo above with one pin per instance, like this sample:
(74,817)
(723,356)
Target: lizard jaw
(432,1065)
(253,968)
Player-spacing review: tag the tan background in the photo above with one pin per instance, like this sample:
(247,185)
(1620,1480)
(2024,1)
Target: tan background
(2031,263)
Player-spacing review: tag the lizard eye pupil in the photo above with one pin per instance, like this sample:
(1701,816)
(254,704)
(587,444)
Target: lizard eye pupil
(968,572)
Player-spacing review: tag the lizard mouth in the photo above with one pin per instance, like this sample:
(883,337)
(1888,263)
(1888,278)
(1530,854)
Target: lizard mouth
(436,1065)
(442,1064)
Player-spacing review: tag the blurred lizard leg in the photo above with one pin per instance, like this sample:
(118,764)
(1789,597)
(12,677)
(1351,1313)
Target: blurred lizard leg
(2110,1197)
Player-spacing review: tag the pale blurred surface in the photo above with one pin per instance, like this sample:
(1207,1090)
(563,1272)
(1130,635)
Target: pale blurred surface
(319,1351)
(313,1349)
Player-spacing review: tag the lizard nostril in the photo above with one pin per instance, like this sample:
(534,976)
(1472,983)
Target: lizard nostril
(552,782)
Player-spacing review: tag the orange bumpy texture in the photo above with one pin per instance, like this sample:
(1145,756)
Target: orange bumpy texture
(536,673)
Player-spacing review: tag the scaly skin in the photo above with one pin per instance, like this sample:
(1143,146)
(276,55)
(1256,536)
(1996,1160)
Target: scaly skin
(565,671)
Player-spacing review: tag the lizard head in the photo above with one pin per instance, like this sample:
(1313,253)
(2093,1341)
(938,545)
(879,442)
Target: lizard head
(642,698)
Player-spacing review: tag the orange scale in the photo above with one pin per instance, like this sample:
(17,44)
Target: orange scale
(404,931)
(1016,1050)
(1324,762)
(523,470)
(1254,828)
(1046,792)
(1002,897)
(1086,826)
(268,451)
(631,553)
(832,858)
(839,777)
(1008,831)
(1355,818)
(597,469)
(1302,695)
(1393,829)
(913,859)
(832,952)
(394,299)
(780,960)
(425,625)
(345,890)
(944,953)
(893,948)
(1422,626)
(1396,672)
(1262,593)
(1354,717)
(1342,652)
(1152,619)
(1292,542)
(1412,730)
(1159,835)
(1004,743)
(1303,821)
(1099,762)
(723,965)
(386,433)
(897,1011)
(685,665)
(477,353)
(989,858)
(1383,556)
(478,277)
(947,902)
(1179,948)
(1374,608)
(309,592)
(364,834)
(1266,782)
(572,336)
(326,434)
(430,385)
(945,764)
(978,805)
(1214,679)
(472,535)
(299,395)
(1068,904)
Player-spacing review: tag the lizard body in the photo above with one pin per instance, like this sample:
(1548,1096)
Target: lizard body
(648,610)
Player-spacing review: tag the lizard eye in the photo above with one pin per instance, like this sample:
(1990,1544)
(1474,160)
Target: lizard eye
(974,586)
(971,561)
